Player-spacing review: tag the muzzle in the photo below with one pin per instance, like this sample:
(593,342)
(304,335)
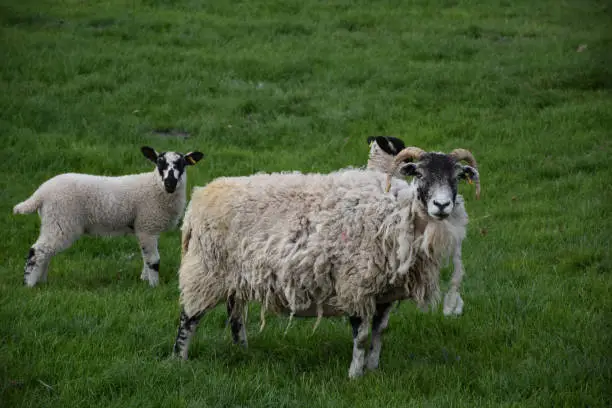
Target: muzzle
(170,184)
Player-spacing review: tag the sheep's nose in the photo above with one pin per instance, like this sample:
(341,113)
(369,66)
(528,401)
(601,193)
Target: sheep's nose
(443,205)
(170,185)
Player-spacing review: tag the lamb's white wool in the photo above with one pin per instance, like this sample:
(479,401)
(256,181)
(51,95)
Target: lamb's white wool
(382,151)
(72,204)
(311,244)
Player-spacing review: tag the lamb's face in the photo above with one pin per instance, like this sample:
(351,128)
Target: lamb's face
(171,169)
(171,166)
(436,176)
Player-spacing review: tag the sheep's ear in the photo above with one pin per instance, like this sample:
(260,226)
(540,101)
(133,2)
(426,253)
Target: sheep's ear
(469,173)
(149,153)
(395,145)
(193,157)
(409,169)
(389,144)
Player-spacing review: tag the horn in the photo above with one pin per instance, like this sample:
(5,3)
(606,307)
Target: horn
(412,152)
(467,156)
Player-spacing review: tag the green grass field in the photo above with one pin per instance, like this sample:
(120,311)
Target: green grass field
(299,85)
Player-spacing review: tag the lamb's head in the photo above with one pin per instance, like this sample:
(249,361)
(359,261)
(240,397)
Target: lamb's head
(382,151)
(388,144)
(436,177)
(171,166)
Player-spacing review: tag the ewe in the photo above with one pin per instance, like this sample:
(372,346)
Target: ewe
(350,242)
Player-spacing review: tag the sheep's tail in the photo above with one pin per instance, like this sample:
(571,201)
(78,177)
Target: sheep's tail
(28,206)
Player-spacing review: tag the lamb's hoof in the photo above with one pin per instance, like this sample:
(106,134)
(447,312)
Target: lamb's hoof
(453,304)
(153,281)
(355,372)
(372,364)
(178,354)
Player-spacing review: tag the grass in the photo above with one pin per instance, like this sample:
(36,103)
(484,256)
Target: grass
(278,85)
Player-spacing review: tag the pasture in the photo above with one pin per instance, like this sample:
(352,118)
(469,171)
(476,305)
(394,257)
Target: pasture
(273,85)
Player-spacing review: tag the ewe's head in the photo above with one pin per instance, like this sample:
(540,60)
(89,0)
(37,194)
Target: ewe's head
(436,176)
(171,166)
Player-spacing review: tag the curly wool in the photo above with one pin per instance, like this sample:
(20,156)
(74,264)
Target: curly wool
(336,243)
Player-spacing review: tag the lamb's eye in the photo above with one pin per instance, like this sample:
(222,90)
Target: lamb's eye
(418,175)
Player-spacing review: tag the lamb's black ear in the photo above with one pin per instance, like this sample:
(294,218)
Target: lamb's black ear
(395,144)
(389,144)
(149,153)
(193,157)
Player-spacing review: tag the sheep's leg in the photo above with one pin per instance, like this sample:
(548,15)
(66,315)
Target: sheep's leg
(37,264)
(52,239)
(360,337)
(234,311)
(453,304)
(187,327)
(150,257)
(379,324)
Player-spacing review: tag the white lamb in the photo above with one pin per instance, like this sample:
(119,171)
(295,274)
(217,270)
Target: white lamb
(145,205)
(383,150)
(350,242)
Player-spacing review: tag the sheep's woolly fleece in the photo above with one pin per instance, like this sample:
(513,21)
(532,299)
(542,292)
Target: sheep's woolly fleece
(103,204)
(300,241)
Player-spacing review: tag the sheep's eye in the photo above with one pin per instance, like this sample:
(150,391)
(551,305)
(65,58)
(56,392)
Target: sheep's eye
(418,175)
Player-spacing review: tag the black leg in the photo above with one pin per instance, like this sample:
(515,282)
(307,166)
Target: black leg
(234,312)
(379,324)
(29,265)
(187,326)
(360,336)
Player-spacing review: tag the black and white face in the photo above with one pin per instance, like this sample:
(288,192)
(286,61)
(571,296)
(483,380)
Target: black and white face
(171,166)
(437,176)
(388,144)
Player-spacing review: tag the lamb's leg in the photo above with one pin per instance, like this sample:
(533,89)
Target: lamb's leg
(234,312)
(150,257)
(360,337)
(52,239)
(187,327)
(37,264)
(379,324)
(453,304)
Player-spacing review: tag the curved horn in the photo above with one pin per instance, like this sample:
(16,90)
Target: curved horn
(411,152)
(467,156)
